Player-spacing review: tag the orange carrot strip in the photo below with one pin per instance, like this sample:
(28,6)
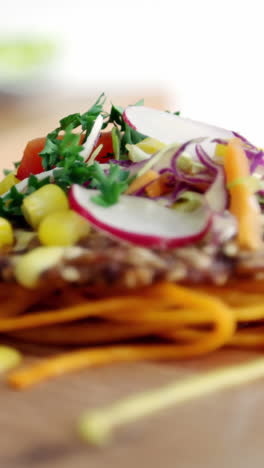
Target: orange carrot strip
(141,181)
(158,187)
(243,204)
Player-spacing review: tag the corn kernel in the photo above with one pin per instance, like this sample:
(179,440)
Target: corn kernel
(150,145)
(31,265)
(63,228)
(220,150)
(9,358)
(44,201)
(8,182)
(6,233)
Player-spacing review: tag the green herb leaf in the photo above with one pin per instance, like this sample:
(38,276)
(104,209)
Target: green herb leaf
(7,171)
(72,119)
(111,185)
(68,145)
(116,142)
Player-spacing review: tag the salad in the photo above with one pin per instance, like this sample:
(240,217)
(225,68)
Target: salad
(134,230)
(131,179)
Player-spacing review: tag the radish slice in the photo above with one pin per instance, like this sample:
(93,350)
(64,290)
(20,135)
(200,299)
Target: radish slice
(170,128)
(93,137)
(216,196)
(142,221)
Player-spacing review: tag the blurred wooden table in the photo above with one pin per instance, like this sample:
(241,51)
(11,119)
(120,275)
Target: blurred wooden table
(38,426)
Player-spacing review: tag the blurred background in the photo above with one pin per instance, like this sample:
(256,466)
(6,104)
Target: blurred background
(201,57)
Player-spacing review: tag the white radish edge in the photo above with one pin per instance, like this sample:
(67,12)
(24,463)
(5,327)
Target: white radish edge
(144,211)
(21,186)
(94,155)
(216,195)
(168,127)
(93,137)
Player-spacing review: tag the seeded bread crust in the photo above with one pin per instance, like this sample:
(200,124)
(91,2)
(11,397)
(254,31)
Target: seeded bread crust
(103,262)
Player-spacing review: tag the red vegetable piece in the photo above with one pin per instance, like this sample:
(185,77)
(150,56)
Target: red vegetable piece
(107,150)
(31,162)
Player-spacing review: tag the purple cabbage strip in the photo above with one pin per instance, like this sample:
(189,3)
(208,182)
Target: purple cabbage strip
(179,189)
(256,161)
(189,179)
(220,141)
(122,163)
(252,152)
(205,159)
(237,135)
(176,156)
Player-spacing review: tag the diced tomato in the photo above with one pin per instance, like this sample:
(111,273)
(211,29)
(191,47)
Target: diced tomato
(31,162)
(107,150)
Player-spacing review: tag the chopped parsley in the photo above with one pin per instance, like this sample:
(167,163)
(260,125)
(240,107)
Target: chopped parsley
(111,185)
(62,151)
(59,148)
(126,134)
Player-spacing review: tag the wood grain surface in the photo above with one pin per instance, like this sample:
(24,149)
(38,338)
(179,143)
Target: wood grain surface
(225,429)
(38,426)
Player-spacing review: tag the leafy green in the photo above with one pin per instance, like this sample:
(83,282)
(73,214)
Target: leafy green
(62,151)
(8,171)
(110,185)
(77,173)
(174,113)
(75,120)
(50,155)
(116,141)
(127,135)
(56,149)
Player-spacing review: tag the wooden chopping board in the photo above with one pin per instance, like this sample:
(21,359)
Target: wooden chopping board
(225,429)
(38,426)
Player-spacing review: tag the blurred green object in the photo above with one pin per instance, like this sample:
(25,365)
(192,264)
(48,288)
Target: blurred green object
(24,59)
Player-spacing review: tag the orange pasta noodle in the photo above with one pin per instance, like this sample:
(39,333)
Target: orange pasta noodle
(217,314)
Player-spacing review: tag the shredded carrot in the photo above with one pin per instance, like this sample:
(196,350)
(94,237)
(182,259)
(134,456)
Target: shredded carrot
(158,187)
(141,181)
(243,203)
